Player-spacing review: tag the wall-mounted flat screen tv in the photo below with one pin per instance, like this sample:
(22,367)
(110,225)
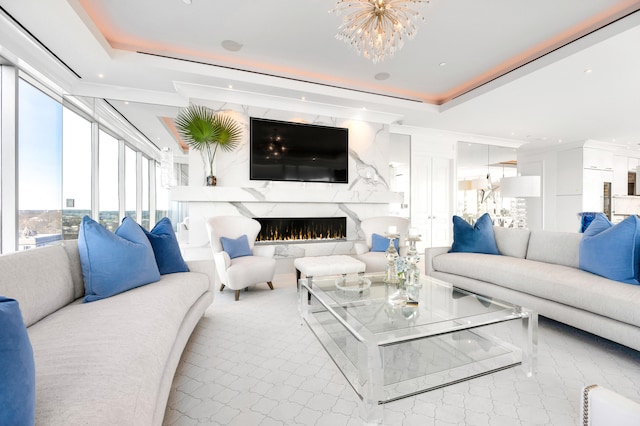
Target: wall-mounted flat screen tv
(284,151)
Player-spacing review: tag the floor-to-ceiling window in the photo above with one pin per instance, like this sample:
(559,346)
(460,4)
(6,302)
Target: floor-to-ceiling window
(76,172)
(39,167)
(130,185)
(108,178)
(69,163)
(144,221)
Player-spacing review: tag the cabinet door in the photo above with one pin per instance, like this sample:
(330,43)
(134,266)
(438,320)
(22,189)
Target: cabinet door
(431,190)
(620,175)
(593,191)
(599,159)
(440,202)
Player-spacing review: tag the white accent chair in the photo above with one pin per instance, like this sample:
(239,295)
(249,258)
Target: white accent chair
(241,272)
(376,261)
(602,407)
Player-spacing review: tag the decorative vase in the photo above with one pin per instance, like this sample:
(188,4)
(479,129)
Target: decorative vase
(413,273)
(211,181)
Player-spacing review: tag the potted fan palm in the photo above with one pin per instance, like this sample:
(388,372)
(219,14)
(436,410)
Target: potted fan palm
(205,130)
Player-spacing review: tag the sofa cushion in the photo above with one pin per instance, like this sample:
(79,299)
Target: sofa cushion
(612,251)
(570,286)
(17,372)
(237,247)
(478,238)
(39,279)
(114,262)
(560,248)
(512,241)
(103,362)
(71,247)
(165,248)
(380,243)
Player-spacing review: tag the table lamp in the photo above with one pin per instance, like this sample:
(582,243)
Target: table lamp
(520,187)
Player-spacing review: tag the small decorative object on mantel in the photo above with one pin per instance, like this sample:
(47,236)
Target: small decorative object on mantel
(205,130)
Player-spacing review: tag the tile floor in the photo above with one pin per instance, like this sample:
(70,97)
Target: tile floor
(252,362)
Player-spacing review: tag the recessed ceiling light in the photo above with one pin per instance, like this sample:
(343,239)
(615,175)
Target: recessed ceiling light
(382,76)
(588,71)
(230,45)
(303,98)
(443,64)
(559,140)
(364,108)
(186,1)
(230,86)
(100,75)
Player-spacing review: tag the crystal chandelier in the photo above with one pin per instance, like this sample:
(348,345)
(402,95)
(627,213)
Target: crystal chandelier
(377,28)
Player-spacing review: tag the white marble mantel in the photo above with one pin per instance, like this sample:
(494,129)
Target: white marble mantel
(204,202)
(218,194)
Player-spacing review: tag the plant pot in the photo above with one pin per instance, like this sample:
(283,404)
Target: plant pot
(211,181)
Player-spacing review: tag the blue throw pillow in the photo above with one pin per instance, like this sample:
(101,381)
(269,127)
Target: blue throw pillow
(165,248)
(474,239)
(17,370)
(236,248)
(114,262)
(612,251)
(380,243)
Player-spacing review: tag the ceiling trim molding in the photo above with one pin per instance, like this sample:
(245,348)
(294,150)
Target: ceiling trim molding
(590,36)
(193,91)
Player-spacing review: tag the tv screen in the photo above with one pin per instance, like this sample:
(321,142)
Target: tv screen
(286,151)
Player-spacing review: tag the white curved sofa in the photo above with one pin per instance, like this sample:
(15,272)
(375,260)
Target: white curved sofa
(107,362)
(539,270)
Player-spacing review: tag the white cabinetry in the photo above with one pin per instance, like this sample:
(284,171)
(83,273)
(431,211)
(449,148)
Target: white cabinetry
(599,159)
(593,189)
(431,189)
(632,163)
(581,176)
(620,175)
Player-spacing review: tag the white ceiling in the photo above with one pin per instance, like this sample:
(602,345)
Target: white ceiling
(491,85)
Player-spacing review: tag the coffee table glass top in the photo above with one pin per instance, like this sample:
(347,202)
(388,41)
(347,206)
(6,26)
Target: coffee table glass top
(440,308)
(388,352)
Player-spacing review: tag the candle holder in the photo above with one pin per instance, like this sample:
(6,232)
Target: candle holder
(391,255)
(413,272)
(399,297)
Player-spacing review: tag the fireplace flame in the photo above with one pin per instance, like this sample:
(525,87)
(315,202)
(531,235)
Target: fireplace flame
(302,229)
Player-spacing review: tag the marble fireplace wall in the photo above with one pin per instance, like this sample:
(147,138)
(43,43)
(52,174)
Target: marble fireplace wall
(366,195)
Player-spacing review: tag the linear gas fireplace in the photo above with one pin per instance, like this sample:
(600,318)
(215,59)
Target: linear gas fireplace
(302,229)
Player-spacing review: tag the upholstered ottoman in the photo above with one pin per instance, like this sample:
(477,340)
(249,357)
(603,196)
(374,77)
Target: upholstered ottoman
(327,265)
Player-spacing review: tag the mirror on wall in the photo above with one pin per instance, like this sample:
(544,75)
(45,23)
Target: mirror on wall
(479,170)
(400,173)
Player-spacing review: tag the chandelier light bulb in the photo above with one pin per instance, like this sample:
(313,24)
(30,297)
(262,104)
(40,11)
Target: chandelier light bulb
(377,27)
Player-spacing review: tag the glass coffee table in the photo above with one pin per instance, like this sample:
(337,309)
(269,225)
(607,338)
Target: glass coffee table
(443,336)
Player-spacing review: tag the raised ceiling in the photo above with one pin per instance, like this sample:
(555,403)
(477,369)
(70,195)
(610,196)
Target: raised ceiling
(505,69)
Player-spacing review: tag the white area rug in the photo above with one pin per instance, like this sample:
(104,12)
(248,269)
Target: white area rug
(253,362)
